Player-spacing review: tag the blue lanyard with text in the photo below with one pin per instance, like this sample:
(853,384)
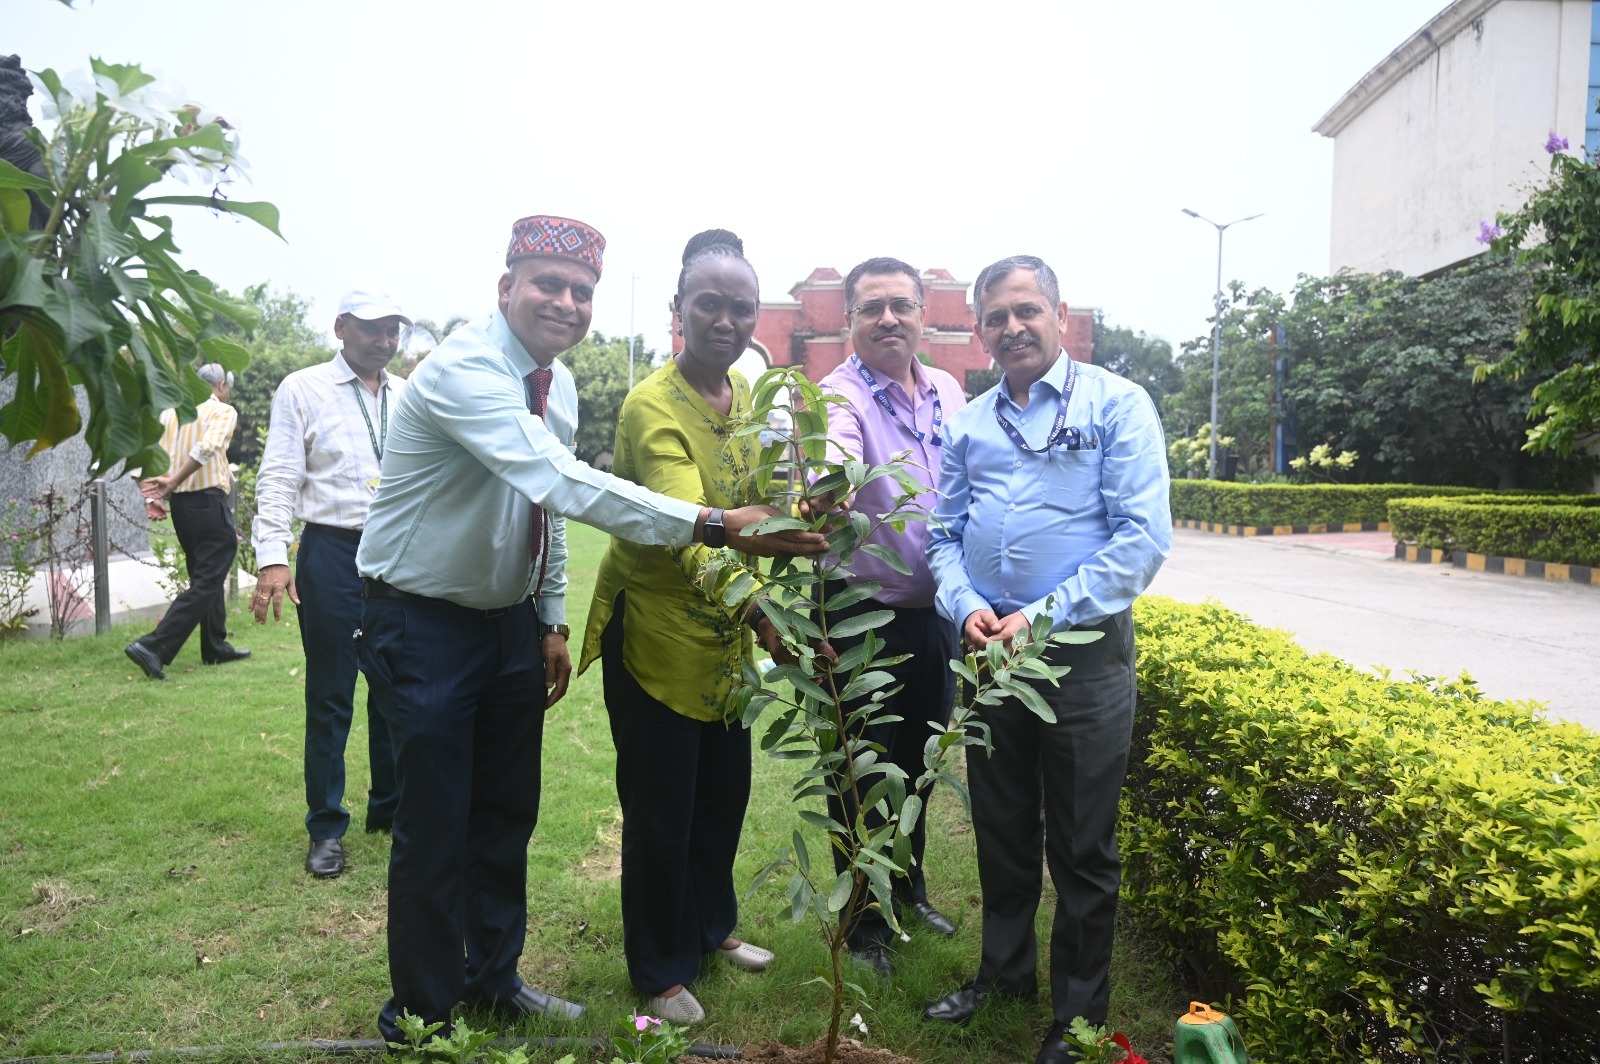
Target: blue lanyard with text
(884,401)
(383,417)
(1058,431)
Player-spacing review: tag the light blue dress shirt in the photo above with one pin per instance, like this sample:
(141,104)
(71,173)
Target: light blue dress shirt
(452,517)
(1089,526)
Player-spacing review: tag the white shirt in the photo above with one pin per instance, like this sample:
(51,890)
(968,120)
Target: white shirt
(320,464)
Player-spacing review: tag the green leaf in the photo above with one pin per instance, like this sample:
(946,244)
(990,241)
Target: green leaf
(1030,698)
(860,623)
(888,557)
(80,322)
(28,288)
(262,213)
(15,208)
(44,408)
(839,896)
(909,814)
(853,594)
(12,177)
(817,820)
(126,76)
(802,858)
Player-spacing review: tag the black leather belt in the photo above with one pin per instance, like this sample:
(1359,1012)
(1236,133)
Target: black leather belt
(377,589)
(348,535)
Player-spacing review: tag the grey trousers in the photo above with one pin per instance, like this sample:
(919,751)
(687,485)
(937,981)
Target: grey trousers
(1051,791)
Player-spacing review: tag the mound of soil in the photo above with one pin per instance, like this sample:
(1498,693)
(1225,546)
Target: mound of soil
(849,1051)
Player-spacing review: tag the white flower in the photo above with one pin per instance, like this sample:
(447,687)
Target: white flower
(857,1022)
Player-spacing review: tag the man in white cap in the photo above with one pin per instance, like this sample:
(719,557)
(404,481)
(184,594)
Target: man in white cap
(324,446)
(195,489)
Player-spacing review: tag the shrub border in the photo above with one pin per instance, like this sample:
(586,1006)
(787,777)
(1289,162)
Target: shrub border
(1279,530)
(1559,572)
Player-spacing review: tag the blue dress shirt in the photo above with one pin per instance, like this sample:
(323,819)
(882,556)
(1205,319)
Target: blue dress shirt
(1090,526)
(452,518)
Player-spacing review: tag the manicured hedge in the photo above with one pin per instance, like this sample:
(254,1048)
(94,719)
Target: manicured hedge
(1293,504)
(1554,528)
(1381,869)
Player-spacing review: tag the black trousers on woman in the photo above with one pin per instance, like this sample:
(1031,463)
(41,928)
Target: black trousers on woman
(683,785)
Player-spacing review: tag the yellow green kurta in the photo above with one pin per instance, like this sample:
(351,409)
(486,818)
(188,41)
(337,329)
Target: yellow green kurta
(683,649)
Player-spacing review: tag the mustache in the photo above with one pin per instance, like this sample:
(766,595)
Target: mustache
(893,330)
(1016,343)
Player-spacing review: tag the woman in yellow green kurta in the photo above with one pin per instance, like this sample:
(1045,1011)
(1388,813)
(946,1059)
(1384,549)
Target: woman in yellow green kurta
(670,653)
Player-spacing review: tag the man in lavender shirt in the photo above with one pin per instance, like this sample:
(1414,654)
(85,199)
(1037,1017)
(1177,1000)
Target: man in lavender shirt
(896,412)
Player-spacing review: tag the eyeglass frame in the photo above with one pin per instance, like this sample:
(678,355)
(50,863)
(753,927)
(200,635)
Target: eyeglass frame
(888,304)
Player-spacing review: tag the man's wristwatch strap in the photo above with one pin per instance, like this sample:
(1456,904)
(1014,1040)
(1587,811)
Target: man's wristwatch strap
(562,630)
(715,534)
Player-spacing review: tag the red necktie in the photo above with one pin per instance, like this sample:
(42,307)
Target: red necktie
(539,540)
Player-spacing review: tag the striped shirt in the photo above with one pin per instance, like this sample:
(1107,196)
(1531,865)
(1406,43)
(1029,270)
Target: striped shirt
(321,460)
(205,439)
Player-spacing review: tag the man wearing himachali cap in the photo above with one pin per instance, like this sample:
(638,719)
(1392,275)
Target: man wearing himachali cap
(320,464)
(464,562)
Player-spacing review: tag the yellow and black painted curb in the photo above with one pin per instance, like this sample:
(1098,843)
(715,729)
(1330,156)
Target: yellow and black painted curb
(1279,530)
(1493,563)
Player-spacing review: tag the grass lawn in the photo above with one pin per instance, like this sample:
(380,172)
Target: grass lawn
(152,894)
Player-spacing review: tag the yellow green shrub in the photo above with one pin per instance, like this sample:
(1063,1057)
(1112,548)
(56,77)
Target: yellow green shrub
(1554,528)
(1227,503)
(1381,869)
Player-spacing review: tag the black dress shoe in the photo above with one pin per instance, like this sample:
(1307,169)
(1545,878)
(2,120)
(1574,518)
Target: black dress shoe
(230,654)
(325,859)
(146,659)
(530,1002)
(962,1004)
(875,956)
(958,1006)
(936,920)
(1054,1048)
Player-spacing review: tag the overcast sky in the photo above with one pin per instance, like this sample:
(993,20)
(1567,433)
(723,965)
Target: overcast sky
(400,140)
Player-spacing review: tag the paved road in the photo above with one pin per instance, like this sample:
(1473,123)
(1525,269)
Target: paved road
(1344,593)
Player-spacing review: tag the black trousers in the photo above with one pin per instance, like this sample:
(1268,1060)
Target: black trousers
(1074,768)
(927,693)
(206,533)
(466,696)
(329,614)
(683,785)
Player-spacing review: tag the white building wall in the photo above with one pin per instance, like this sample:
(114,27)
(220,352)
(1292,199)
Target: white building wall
(1451,128)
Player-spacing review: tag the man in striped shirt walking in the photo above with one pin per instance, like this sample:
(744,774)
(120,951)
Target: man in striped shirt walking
(195,490)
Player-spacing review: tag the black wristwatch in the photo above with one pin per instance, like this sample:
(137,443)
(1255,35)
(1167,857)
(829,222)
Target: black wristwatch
(562,630)
(715,535)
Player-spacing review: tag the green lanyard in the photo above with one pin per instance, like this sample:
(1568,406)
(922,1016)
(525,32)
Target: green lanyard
(383,417)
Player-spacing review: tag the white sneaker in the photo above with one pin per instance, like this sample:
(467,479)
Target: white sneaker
(750,958)
(679,1008)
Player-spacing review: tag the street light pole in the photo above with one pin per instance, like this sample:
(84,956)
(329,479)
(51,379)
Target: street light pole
(1216,332)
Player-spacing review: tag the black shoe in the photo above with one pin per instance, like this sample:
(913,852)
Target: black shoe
(936,920)
(383,824)
(325,859)
(146,659)
(1054,1048)
(875,956)
(960,1005)
(530,1002)
(230,654)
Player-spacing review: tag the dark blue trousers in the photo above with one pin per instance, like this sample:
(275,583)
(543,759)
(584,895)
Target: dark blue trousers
(927,692)
(330,613)
(683,785)
(1074,770)
(466,696)
(205,530)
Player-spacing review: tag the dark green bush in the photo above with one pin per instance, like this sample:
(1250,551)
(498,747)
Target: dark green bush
(1555,528)
(1293,504)
(1384,870)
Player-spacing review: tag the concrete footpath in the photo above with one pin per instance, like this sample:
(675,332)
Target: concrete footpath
(1344,593)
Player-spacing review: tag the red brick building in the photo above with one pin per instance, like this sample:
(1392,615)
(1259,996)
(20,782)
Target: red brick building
(810,329)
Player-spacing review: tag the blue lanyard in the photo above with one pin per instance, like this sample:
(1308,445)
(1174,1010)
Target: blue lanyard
(884,401)
(1058,431)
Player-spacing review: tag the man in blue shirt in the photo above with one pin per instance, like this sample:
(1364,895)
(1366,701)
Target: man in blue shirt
(463,559)
(1053,499)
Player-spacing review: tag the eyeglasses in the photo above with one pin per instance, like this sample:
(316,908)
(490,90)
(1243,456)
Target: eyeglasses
(873,308)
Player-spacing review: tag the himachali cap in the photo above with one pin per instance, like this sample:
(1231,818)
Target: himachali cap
(559,238)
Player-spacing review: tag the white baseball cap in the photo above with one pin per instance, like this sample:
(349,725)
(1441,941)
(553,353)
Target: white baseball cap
(370,304)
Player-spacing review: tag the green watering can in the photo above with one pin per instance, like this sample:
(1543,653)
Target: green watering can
(1206,1036)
